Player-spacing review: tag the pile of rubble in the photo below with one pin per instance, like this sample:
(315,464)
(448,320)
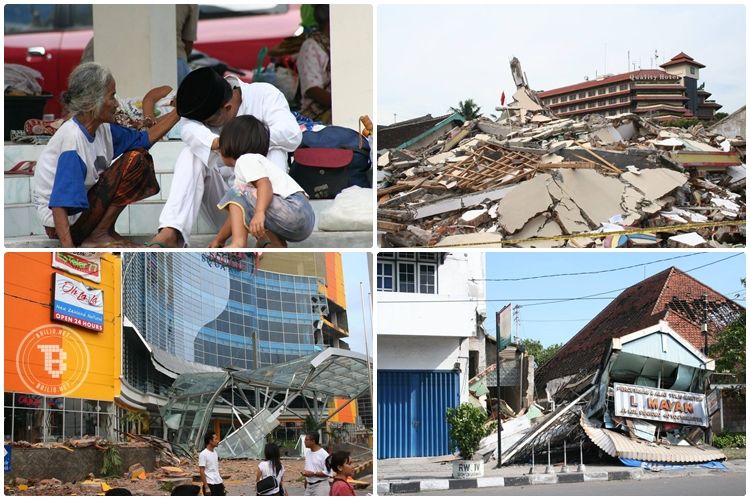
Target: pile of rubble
(531,179)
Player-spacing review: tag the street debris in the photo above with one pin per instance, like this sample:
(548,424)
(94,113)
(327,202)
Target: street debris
(535,180)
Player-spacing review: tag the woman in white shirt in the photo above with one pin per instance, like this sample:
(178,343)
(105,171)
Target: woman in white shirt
(271,466)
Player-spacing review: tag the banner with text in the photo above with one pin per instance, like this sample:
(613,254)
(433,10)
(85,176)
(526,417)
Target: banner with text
(77,304)
(650,403)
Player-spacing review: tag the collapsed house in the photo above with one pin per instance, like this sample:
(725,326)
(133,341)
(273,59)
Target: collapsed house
(633,381)
(535,179)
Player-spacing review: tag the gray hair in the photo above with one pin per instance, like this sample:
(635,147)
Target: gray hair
(87,87)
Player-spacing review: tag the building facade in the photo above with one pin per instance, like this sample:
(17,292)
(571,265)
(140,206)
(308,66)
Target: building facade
(671,92)
(430,344)
(62,345)
(200,312)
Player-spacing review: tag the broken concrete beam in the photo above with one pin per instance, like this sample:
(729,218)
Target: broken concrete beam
(404,238)
(459,202)
(527,200)
(655,182)
(539,226)
(707,160)
(401,198)
(493,240)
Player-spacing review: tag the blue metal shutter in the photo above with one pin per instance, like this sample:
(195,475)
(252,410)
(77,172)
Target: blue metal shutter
(411,412)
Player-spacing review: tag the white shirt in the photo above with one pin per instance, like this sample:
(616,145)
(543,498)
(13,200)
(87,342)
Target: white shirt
(210,460)
(315,461)
(251,167)
(263,101)
(266,469)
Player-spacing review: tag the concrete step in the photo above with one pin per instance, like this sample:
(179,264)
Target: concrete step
(140,220)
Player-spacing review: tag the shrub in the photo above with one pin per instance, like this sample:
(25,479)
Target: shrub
(730,440)
(466,428)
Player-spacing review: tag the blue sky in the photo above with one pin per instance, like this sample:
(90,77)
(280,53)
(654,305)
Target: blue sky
(430,57)
(557,323)
(356,270)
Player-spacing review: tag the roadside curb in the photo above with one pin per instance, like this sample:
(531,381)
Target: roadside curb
(406,487)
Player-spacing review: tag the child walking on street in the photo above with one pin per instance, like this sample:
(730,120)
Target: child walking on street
(263,200)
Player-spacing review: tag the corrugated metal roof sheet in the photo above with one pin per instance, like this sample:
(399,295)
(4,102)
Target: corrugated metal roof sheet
(619,445)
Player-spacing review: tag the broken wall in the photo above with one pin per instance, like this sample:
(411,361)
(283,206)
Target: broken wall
(59,463)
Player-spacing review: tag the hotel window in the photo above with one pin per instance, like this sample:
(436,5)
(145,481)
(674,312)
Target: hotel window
(624,86)
(385,276)
(554,100)
(592,93)
(601,91)
(582,95)
(613,88)
(564,98)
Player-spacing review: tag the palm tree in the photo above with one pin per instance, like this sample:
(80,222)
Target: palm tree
(468,109)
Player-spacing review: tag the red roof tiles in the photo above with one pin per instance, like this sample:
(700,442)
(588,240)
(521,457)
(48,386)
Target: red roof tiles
(670,295)
(680,59)
(641,74)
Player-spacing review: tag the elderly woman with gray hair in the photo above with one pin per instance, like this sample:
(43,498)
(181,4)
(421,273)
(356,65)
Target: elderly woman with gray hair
(78,191)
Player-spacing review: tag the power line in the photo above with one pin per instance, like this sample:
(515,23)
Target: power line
(581,273)
(715,262)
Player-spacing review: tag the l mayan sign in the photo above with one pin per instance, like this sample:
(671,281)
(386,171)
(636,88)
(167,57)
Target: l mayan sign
(650,403)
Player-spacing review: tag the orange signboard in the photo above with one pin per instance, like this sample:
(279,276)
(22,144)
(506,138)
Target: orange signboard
(50,358)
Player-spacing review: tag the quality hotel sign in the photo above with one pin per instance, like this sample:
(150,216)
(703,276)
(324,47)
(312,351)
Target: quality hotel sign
(650,403)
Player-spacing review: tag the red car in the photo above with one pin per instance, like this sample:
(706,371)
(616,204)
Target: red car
(50,37)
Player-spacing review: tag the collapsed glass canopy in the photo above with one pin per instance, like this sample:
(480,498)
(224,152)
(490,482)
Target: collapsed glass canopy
(254,399)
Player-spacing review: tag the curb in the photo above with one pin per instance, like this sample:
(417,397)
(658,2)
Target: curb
(405,487)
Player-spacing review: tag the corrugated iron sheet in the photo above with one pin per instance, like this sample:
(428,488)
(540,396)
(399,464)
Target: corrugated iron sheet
(619,445)
(411,412)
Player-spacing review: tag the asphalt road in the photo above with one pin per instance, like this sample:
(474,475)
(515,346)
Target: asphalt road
(711,486)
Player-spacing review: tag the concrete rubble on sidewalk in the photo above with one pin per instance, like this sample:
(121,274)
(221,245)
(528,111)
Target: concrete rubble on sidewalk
(531,179)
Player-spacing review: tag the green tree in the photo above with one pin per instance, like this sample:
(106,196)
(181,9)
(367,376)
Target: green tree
(468,109)
(541,354)
(729,349)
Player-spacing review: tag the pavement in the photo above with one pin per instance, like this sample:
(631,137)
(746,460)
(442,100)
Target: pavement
(414,475)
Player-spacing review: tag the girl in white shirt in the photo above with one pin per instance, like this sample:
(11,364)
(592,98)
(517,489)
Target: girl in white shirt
(272,466)
(263,201)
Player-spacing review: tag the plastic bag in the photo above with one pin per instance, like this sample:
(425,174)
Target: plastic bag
(351,211)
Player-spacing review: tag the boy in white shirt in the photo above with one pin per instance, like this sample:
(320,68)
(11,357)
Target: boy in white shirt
(208,462)
(264,200)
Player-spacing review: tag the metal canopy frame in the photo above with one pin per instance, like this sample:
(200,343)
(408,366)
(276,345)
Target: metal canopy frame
(260,396)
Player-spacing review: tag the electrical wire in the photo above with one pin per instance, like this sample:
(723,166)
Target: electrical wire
(582,273)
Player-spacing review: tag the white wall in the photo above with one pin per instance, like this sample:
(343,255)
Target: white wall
(138,44)
(400,314)
(351,64)
(455,273)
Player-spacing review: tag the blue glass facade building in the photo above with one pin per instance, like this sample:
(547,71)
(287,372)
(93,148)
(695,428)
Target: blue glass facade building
(219,309)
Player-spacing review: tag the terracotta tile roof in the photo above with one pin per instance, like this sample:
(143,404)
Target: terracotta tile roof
(641,74)
(670,295)
(680,59)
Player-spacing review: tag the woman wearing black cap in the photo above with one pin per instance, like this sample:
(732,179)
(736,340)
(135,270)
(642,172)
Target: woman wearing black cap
(206,102)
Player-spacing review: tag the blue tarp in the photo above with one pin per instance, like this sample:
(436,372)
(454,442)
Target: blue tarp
(661,466)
